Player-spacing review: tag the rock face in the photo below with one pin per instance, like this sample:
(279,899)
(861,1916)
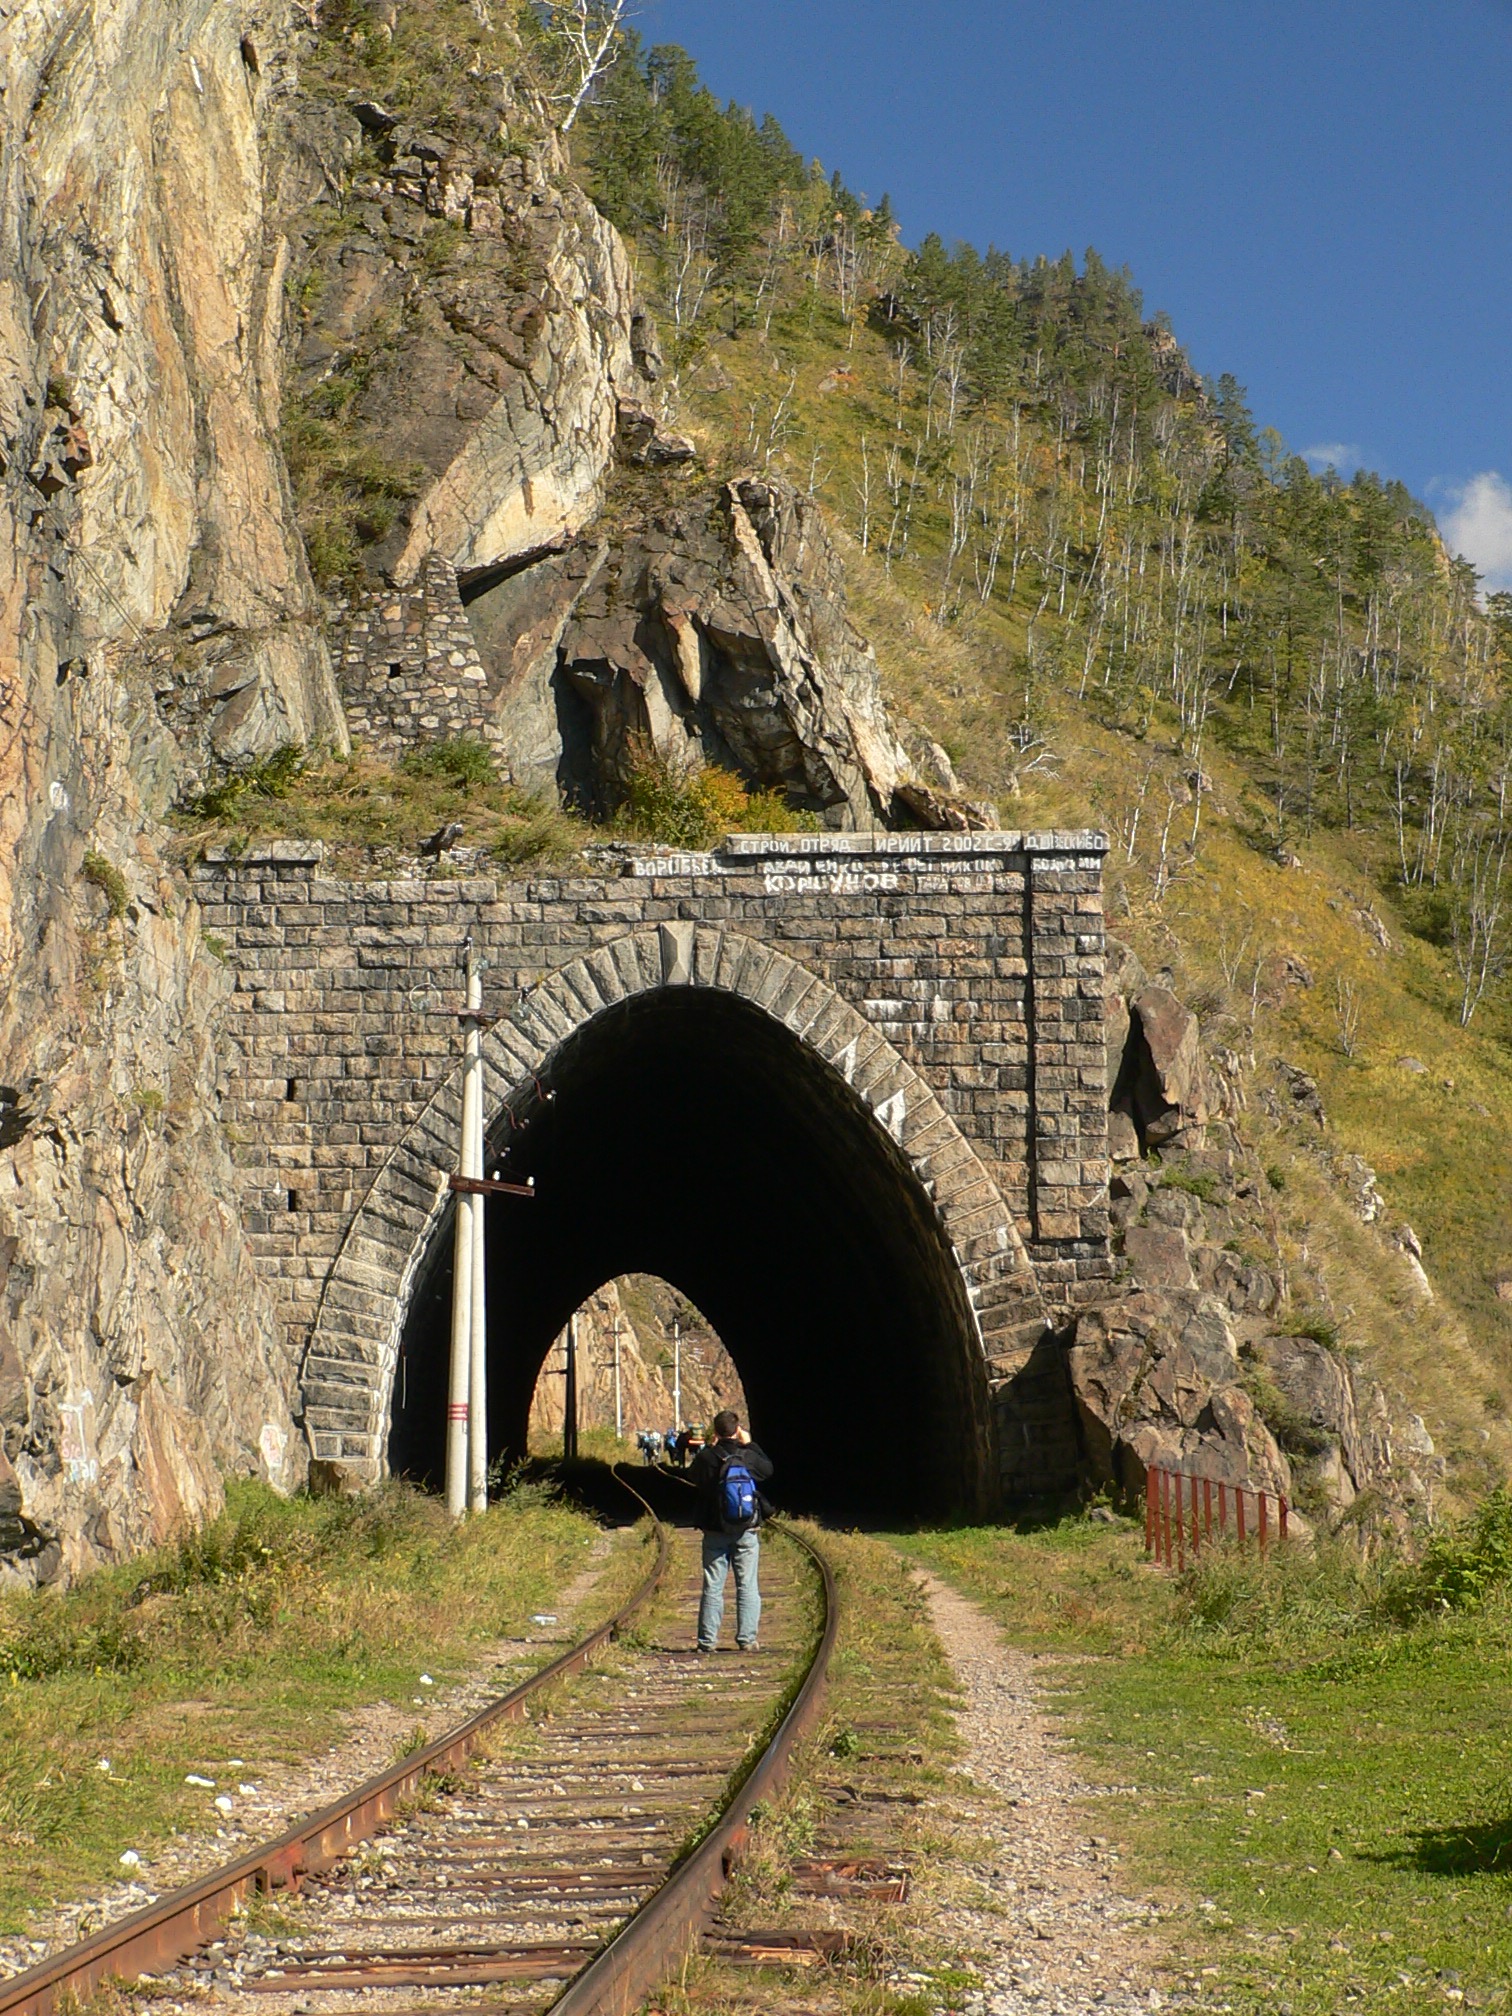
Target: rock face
(1187,1365)
(141,292)
(715,632)
(709,1378)
(469,349)
(155,612)
(1156,1379)
(244,321)
(468,329)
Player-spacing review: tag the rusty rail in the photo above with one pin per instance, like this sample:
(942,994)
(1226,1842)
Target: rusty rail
(652,1943)
(1182,1512)
(179,1924)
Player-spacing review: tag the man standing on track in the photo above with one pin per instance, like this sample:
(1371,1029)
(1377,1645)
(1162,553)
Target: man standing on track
(730,1510)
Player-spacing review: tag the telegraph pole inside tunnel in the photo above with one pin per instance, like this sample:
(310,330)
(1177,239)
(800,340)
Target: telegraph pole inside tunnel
(570,1396)
(619,1410)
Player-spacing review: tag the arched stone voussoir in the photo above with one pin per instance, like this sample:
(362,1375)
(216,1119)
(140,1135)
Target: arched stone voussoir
(388,1237)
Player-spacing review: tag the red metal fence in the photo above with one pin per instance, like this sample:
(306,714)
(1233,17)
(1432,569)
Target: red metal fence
(1182,1512)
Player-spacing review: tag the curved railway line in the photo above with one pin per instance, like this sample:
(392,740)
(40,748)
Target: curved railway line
(567,1863)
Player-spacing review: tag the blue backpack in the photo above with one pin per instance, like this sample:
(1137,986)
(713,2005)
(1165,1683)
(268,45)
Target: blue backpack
(739,1506)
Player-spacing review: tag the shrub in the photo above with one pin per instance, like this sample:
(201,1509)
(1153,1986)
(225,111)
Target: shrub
(101,873)
(1289,1597)
(543,832)
(687,807)
(267,777)
(1464,1567)
(1320,1331)
(463,760)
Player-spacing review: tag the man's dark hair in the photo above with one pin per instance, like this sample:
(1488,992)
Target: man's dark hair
(726,1422)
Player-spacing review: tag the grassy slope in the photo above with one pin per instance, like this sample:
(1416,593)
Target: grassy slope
(1329,1799)
(1441,1142)
(251,1641)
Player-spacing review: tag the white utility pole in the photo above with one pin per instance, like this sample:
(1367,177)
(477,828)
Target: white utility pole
(677,1375)
(477,1394)
(469,1206)
(619,1412)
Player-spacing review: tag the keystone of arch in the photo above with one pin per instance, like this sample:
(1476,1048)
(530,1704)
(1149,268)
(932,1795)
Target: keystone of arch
(350,1360)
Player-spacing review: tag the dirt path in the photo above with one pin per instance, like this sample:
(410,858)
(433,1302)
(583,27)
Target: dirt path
(1061,1938)
(283,1794)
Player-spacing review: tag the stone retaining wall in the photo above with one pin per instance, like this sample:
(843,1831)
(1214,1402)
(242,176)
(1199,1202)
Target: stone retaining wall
(407,665)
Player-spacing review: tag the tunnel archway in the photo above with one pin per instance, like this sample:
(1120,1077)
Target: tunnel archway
(720,1117)
(693,1137)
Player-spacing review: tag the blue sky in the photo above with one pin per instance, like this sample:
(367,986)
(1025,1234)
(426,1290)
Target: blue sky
(1318,192)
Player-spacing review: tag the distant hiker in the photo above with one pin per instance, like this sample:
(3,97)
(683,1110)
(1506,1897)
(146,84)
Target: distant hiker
(649,1444)
(727,1474)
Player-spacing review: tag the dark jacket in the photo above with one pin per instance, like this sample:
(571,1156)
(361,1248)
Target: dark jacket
(706,1470)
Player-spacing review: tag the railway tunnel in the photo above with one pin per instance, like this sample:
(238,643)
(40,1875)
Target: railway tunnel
(691,1136)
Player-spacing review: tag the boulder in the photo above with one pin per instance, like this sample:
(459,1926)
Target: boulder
(644,443)
(1347,1410)
(1123,976)
(1126,1194)
(714,631)
(1159,1257)
(1410,1247)
(1123,1138)
(1246,1290)
(1159,1082)
(1155,1379)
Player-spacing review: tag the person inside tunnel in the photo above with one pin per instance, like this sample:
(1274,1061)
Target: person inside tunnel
(693,1137)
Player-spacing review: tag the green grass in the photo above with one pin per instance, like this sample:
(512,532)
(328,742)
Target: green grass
(367,812)
(1327,1792)
(250,1640)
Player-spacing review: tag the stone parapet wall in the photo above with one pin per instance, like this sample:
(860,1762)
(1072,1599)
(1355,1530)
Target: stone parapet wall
(954,980)
(407,666)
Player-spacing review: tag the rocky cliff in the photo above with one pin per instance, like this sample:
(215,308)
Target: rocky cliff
(1203,1358)
(306,335)
(155,609)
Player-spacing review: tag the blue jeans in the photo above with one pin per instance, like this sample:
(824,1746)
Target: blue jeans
(721,1552)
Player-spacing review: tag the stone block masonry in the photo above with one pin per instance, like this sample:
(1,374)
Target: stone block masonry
(407,666)
(954,981)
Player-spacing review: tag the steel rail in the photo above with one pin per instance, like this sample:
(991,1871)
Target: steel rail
(177,1925)
(652,1943)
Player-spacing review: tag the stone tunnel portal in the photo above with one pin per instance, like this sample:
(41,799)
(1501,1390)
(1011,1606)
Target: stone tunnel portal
(691,1136)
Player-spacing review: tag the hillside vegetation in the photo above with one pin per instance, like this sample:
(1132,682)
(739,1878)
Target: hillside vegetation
(1113,596)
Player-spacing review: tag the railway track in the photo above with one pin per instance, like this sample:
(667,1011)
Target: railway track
(556,1852)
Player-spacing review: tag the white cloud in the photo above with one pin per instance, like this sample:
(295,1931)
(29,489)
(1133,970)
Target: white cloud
(1478,526)
(1341,455)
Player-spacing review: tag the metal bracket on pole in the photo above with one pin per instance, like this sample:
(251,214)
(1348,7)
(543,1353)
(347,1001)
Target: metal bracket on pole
(491,1186)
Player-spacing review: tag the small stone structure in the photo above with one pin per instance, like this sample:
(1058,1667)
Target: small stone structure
(953,982)
(407,666)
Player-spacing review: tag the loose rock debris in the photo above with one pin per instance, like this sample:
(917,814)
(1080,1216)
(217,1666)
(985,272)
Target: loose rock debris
(1062,1940)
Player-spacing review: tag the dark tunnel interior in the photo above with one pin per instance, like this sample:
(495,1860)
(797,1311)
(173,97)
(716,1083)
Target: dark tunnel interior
(693,1137)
